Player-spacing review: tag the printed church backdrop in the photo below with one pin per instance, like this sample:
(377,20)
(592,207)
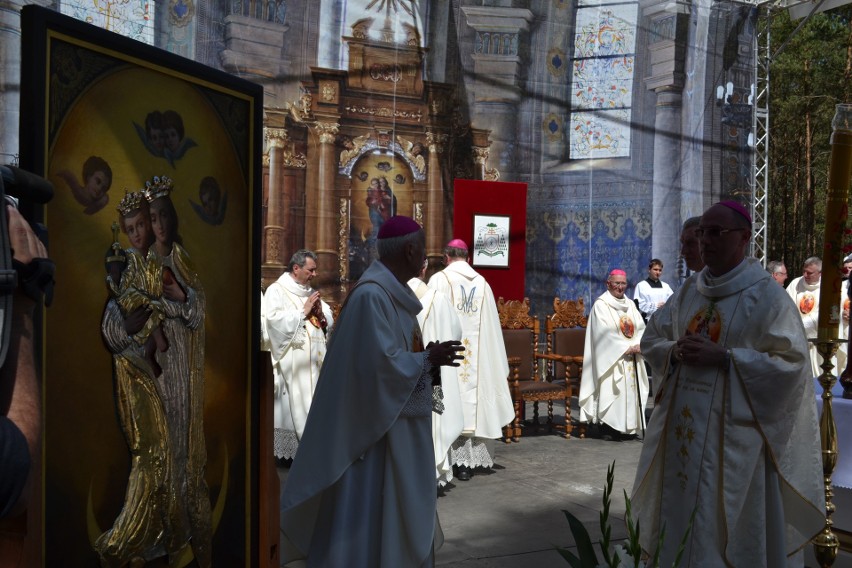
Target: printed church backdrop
(609,110)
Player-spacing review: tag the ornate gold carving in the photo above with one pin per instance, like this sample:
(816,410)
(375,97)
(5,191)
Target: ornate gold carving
(342,243)
(328,91)
(385,112)
(301,109)
(480,155)
(492,174)
(327,131)
(414,153)
(418,213)
(436,141)
(265,159)
(352,148)
(569,313)
(292,159)
(275,137)
(388,72)
(515,314)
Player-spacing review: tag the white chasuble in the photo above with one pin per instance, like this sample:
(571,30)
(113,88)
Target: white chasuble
(613,385)
(297,348)
(439,322)
(806,298)
(483,374)
(737,444)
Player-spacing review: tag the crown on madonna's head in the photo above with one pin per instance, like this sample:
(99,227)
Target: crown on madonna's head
(131,201)
(158,186)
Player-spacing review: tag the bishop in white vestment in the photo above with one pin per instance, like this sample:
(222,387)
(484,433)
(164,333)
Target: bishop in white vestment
(614,384)
(484,372)
(439,322)
(734,437)
(804,291)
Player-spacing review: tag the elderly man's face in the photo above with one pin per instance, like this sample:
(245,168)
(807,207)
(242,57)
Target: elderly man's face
(617,284)
(847,267)
(780,274)
(811,274)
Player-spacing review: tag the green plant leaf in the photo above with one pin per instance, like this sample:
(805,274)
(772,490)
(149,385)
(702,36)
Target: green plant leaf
(586,551)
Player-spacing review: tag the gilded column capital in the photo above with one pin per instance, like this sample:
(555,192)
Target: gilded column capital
(327,131)
(480,155)
(436,141)
(275,137)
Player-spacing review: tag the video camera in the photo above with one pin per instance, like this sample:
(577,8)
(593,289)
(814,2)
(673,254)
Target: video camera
(35,279)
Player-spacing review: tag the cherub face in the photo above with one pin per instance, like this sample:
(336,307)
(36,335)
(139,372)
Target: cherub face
(172,139)
(97,185)
(156,138)
(137,225)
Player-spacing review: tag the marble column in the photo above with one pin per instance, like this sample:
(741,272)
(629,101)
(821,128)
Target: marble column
(665,240)
(321,204)
(497,69)
(276,139)
(435,200)
(667,23)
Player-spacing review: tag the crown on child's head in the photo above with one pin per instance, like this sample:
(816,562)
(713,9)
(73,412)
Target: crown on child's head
(115,253)
(158,186)
(131,201)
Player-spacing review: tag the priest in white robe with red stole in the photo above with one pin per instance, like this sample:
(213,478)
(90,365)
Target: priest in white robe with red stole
(484,372)
(804,291)
(294,324)
(361,490)
(734,435)
(439,322)
(614,384)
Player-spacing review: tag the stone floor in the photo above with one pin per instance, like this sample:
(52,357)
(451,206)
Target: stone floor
(511,516)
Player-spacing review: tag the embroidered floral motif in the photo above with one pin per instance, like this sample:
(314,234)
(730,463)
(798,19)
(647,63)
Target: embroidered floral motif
(685,434)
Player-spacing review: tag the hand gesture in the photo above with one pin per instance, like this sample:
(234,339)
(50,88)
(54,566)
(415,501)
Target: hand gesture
(309,303)
(445,354)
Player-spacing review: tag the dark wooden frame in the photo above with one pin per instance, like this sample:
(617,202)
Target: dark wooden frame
(76,392)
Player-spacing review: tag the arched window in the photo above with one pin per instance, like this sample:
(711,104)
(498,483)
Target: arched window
(602,79)
(133,19)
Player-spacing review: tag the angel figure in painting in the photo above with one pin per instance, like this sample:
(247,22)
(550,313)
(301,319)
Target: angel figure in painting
(414,152)
(97,179)
(213,202)
(352,148)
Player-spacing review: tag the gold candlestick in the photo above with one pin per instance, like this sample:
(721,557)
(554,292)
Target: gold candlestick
(826,542)
(839,174)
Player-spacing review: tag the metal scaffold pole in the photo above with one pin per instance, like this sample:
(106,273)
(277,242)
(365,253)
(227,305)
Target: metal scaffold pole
(760,128)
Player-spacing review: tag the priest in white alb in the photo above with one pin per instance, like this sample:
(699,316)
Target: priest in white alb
(439,322)
(734,437)
(484,372)
(294,325)
(614,384)
(804,291)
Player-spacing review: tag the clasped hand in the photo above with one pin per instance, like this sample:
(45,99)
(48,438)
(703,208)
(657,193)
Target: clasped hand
(445,353)
(699,351)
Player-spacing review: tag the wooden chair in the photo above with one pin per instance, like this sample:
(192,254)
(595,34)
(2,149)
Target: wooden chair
(520,334)
(565,331)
